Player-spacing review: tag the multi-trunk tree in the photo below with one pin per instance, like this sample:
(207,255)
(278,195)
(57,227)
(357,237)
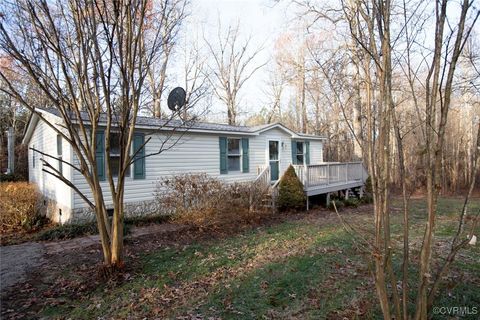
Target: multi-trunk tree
(91,59)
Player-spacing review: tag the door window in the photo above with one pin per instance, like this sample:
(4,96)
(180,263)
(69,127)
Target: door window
(273,150)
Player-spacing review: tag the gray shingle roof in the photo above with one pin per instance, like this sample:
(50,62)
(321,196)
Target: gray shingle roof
(143,121)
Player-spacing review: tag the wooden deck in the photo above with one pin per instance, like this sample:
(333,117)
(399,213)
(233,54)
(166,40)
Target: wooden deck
(331,176)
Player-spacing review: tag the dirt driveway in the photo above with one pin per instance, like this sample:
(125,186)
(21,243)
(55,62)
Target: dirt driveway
(17,261)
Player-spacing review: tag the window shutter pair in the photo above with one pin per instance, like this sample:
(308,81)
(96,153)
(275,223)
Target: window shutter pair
(223,155)
(139,162)
(306,155)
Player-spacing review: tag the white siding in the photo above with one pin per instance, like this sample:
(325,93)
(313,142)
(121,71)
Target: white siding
(285,147)
(44,139)
(196,153)
(316,152)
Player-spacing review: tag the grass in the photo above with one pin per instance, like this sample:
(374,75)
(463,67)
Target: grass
(307,268)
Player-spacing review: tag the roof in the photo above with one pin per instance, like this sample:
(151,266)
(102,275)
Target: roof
(193,126)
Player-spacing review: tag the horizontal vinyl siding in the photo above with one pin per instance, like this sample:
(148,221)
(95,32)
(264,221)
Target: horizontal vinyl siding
(44,139)
(316,152)
(194,153)
(285,147)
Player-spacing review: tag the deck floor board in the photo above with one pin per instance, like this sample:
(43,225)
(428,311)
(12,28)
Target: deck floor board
(332,187)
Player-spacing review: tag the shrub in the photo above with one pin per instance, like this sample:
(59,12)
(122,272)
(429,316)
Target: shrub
(290,192)
(10,177)
(19,206)
(68,231)
(352,202)
(207,202)
(187,192)
(366,199)
(146,220)
(338,203)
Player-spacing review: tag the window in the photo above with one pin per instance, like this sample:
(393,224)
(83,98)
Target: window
(273,150)
(233,155)
(59,154)
(300,153)
(114,159)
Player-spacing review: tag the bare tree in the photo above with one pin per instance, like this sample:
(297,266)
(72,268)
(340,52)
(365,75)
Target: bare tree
(376,38)
(233,63)
(439,83)
(195,75)
(91,60)
(169,17)
(274,91)
(291,56)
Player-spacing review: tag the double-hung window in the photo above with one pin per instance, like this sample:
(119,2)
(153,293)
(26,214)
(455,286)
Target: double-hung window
(138,149)
(114,159)
(300,155)
(60,154)
(234,154)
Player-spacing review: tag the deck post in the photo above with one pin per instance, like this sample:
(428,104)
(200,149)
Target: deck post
(347,193)
(307,180)
(361,192)
(308,204)
(328,174)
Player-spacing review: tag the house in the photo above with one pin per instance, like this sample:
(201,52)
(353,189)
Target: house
(229,153)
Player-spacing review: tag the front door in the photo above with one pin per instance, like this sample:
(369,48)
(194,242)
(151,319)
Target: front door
(273,159)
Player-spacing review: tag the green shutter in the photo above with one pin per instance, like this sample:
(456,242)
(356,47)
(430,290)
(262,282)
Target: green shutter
(294,152)
(139,162)
(245,155)
(307,152)
(100,154)
(223,155)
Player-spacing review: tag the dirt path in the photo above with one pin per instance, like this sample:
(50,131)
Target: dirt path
(17,261)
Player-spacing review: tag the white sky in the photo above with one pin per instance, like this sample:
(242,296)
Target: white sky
(264,20)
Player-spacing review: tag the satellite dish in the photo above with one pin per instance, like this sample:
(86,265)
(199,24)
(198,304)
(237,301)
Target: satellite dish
(176,99)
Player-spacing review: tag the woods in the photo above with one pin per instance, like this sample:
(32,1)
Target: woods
(382,127)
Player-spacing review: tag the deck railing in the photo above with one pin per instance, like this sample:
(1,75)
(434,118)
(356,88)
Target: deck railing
(330,173)
(263,175)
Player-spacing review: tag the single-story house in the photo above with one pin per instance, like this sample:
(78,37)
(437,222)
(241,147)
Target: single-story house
(230,153)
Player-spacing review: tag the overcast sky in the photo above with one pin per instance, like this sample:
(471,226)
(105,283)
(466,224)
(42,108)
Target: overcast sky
(264,20)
